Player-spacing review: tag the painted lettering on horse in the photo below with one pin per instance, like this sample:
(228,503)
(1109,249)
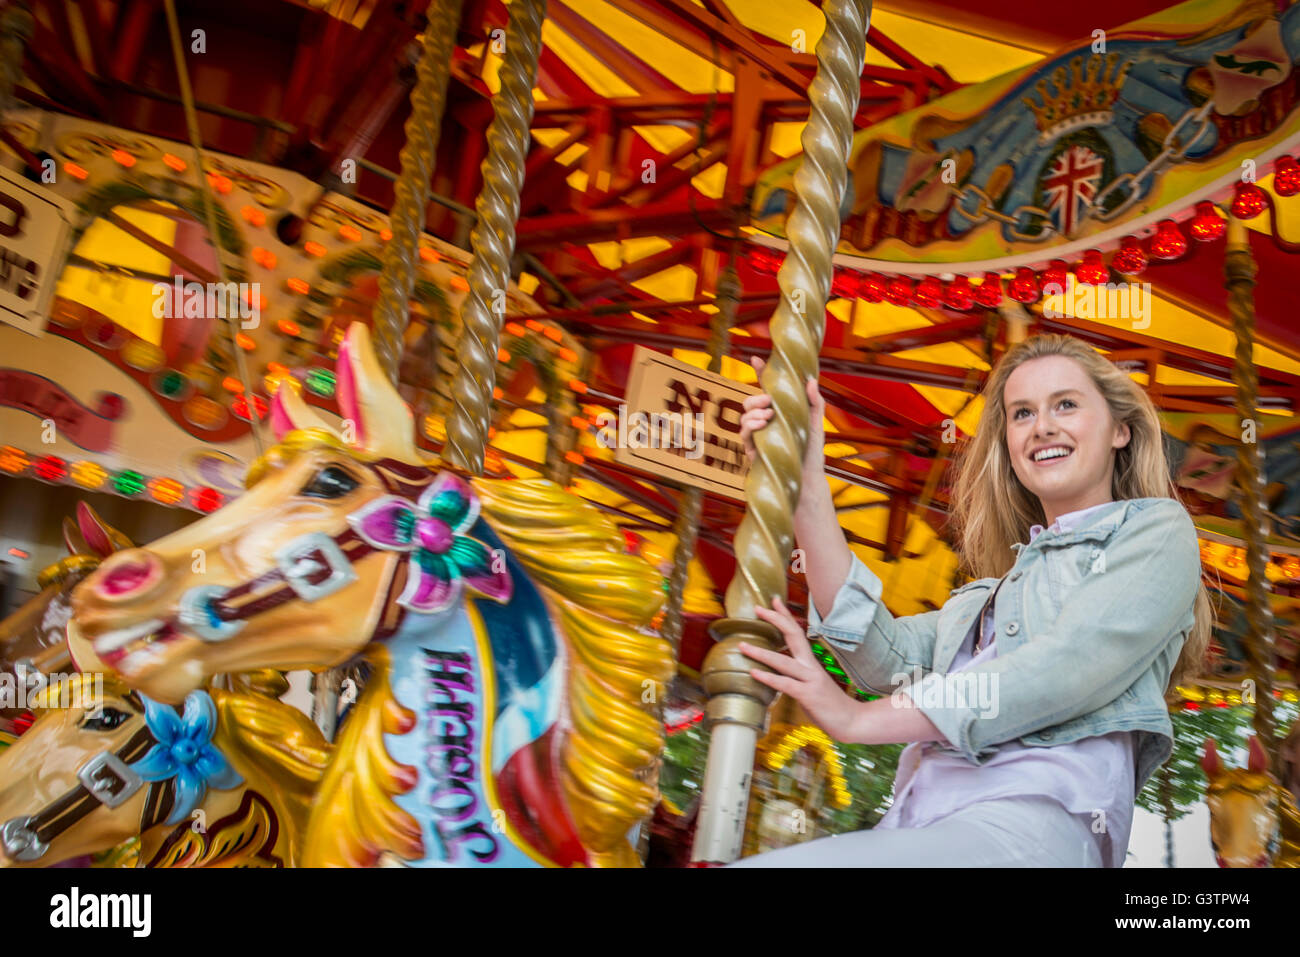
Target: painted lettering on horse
(450,752)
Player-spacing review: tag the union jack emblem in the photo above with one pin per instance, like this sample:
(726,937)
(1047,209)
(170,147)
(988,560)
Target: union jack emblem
(1071,185)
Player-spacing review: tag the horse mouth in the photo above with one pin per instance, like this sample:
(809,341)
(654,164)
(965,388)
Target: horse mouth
(134,648)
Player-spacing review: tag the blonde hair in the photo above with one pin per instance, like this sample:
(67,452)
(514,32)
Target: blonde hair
(992,510)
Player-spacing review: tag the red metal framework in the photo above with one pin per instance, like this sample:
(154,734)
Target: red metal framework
(289,84)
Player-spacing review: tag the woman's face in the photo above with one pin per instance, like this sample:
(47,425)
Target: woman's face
(1060,434)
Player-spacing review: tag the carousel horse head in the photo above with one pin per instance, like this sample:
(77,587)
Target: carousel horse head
(1253,820)
(509,718)
(295,573)
(33,639)
(226,782)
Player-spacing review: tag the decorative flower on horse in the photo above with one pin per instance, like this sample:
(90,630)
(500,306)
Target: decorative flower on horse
(443,560)
(185,752)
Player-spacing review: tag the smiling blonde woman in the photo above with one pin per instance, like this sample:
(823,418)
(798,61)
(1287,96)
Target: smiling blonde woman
(1033,702)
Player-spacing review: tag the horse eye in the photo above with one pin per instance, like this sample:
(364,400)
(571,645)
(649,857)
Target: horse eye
(105,720)
(331,482)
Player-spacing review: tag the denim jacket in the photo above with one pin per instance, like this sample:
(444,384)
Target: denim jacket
(1089,625)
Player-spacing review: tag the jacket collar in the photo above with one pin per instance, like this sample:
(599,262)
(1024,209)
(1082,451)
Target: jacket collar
(1098,526)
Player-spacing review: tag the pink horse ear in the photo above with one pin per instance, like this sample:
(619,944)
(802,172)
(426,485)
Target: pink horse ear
(381,420)
(290,413)
(94,531)
(72,538)
(1258,761)
(345,385)
(1210,762)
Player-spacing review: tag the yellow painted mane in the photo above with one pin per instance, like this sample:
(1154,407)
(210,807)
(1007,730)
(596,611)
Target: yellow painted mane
(618,668)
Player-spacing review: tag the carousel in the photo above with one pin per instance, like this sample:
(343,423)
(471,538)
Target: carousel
(371,487)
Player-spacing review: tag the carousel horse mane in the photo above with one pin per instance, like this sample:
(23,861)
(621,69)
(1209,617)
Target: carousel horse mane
(264,739)
(605,600)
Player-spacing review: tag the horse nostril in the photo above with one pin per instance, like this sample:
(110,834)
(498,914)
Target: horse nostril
(131,573)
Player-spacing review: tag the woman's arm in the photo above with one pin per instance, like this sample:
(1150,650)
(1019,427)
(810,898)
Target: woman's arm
(816,526)
(887,720)
(869,642)
(826,555)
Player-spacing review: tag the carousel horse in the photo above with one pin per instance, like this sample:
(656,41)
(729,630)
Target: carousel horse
(1254,821)
(509,716)
(33,638)
(227,783)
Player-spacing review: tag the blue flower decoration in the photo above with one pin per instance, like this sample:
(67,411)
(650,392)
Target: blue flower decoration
(185,752)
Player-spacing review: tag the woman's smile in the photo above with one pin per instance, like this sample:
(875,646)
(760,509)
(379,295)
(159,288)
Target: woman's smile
(1063,432)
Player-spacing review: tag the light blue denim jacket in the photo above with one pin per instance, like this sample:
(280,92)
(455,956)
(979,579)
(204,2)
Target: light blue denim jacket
(1089,625)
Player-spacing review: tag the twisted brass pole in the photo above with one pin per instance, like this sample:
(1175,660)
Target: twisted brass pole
(1239,270)
(737,703)
(16,27)
(562,435)
(419,155)
(493,240)
(687,526)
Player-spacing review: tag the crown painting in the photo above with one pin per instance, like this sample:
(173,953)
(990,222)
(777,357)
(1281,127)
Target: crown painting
(1108,132)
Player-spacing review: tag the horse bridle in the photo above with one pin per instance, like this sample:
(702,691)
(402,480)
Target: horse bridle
(309,568)
(105,780)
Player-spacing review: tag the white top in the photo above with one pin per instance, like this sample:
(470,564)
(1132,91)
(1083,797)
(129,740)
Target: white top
(1093,778)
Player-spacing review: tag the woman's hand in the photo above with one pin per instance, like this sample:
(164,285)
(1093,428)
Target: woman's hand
(758,412)
(802,677)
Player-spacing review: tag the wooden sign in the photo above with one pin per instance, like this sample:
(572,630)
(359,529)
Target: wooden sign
(35,226)
(681,423)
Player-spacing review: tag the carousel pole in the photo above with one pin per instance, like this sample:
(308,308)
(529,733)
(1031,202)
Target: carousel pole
(411,191)
(399,261)
(687,528)
(493,240)
(1239,271)
(209,208)
(737,703)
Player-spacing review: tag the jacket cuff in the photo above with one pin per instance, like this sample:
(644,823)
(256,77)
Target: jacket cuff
(947,703)
(852,610)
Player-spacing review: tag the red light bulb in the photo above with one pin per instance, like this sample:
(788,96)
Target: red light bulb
(51,468)
(1249,201)
(206,499)
(1286,176)
(845,284)
(1056,278)
(1024,288)
(1130,260)
(989,292)
(899,291)
(928,292)
(1169,241)
(1207,225)
(958,294)
(873,288)
(1092,271)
